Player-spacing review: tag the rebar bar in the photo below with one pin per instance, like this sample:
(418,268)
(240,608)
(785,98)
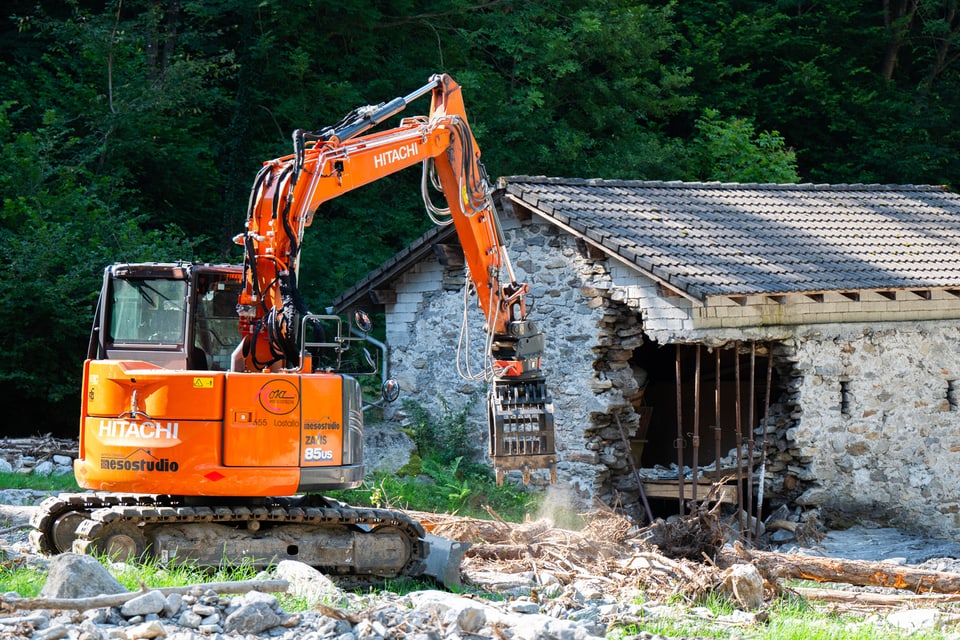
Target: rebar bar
(763,438)
(739,435)
(633,466)
(678,443)
(750,441)
(718,474)
(696,427)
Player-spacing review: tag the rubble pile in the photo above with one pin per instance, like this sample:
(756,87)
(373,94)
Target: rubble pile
(201,613)
(527,581)
(610,556)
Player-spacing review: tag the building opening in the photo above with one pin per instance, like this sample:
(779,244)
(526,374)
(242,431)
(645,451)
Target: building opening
(700,410)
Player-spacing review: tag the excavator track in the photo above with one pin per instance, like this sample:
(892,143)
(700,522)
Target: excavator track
(333,537)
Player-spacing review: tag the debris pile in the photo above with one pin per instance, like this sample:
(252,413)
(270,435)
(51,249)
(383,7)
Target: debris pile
(204,611)
(610,552)
(553,583)
(42,455)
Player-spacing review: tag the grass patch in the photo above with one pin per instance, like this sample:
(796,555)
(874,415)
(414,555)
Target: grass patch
(53,482)
(23,580)
(155,575)
(440,476)
(785,619)
(29,581)
(462,488)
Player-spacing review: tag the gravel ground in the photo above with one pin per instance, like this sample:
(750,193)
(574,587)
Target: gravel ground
(572,612)
(514,605)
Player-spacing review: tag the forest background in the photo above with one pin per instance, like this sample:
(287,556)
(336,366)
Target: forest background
(131,130)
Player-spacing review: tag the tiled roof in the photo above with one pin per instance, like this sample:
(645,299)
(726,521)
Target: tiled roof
(706,239)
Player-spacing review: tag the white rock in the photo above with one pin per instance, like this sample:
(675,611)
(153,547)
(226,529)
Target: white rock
(55,632)
(587,590)
(44,468)
(914,620)
(306,582)
(744,584)
(150,602)
(152,629)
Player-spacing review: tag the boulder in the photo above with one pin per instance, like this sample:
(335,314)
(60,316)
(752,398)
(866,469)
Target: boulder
(73,575)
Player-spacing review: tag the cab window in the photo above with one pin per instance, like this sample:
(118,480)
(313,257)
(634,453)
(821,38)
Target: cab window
(148,311)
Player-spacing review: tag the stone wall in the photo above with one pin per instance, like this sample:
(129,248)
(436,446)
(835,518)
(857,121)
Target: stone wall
(881,422)
(424,331)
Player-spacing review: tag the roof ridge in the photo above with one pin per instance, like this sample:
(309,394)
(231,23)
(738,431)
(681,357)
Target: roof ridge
(503,181)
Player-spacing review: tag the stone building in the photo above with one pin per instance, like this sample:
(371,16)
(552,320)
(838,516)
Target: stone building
(807,336)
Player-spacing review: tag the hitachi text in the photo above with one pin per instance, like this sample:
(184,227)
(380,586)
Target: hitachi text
(395,155)
(144,430)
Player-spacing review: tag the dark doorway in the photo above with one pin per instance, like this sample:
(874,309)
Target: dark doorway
(740,368)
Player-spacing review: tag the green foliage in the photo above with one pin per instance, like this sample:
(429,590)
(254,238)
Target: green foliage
(26,581)
(464,489)
(858,91)
(731,151)
(582,87)
(446,438)
(59,226)
(133,130)
(440,476)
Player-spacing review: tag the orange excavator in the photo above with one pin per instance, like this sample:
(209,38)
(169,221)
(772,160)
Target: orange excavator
(216,407)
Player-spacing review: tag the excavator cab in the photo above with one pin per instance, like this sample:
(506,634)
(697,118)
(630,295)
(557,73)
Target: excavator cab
(177,316)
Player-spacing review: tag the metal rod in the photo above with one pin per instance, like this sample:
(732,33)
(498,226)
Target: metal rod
(716,425)
(633,466)
(750,424)
(696,426)
(679,441)
(763,437)
(369,117)
(736,409)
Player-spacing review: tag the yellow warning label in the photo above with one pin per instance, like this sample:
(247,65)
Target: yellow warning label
(203,383)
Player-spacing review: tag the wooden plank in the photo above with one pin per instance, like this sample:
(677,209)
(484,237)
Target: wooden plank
(670,489)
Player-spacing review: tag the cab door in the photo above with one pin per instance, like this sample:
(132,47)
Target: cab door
(261,426)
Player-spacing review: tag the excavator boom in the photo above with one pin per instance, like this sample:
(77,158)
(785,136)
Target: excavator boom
(335,160)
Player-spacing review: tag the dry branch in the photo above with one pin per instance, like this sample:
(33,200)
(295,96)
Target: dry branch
(118,599)
(501,551)
(896,600)
(775,566)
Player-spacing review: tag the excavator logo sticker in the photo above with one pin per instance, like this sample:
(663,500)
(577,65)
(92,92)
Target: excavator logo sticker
(147,430)
(279,397)
(395,155)
(145,462)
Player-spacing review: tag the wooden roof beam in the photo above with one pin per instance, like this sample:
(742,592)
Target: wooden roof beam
(383,296)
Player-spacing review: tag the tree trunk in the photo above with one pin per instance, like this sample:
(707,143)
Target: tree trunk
(117,599)
(897,16)
(776,566)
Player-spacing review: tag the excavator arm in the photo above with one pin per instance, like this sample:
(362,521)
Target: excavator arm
(344,157)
